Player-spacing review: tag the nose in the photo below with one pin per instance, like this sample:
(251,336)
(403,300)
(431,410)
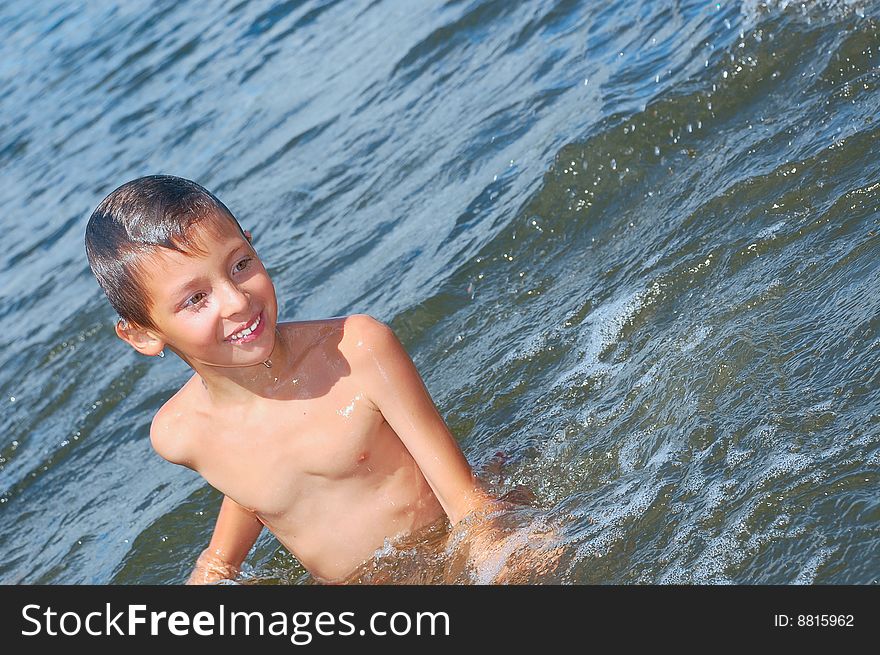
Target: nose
(233,300)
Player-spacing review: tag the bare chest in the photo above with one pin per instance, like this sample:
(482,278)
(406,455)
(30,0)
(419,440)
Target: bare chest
(291,449)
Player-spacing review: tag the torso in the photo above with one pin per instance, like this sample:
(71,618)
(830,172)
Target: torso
(319,465)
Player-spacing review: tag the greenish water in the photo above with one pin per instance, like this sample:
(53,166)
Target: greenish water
(632,246)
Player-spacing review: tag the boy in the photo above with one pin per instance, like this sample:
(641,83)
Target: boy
(322,431)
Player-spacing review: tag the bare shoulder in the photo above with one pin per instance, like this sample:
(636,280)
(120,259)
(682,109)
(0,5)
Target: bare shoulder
(174,427)
(305,335)
(363,330)
(347,333)
(366,339)
(371,345)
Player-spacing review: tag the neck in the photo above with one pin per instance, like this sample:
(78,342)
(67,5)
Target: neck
(239,385)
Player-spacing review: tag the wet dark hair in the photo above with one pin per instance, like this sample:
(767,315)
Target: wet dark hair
(138,219)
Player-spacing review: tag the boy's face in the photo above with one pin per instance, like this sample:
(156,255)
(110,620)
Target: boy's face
(217,309)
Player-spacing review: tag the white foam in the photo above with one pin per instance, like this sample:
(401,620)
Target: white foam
(627,456)
(756,10)
(694,337)
(736,456)
(637,502)
(822,407)
(784,464)
(723,552)
(528,349)
(663,454)
(770,231)
(649,377)
(598,546)
(807,574)
(605,325)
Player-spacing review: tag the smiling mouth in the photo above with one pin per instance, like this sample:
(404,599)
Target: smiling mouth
(243,335)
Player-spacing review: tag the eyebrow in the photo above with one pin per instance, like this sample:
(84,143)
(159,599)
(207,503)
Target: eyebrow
(235,249)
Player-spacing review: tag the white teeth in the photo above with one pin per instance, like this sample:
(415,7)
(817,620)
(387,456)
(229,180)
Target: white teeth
(246,332)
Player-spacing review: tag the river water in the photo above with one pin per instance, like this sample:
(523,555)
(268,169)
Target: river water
(630,245)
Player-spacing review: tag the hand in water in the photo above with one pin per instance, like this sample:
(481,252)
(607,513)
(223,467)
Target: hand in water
(506,542)
(211,569)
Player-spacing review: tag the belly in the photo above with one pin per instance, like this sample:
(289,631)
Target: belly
(335,530)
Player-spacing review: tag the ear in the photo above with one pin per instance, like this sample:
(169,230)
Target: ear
(141,339)
(248,236)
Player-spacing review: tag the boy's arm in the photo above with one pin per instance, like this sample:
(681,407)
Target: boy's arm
(236,531)
(398,391)
(237,528)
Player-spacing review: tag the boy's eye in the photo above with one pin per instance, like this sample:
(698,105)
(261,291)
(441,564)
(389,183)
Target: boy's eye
(242,265)
(195,299)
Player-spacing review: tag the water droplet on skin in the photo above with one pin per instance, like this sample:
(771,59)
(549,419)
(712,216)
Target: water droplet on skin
(346,411)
